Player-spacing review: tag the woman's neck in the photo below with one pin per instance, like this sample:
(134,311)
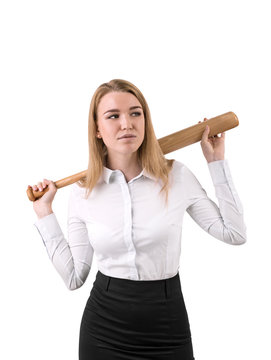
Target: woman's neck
(129,165)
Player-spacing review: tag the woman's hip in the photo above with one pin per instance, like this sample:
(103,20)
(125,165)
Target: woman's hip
(129,313)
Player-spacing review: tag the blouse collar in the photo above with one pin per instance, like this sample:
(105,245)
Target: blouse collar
(110,176)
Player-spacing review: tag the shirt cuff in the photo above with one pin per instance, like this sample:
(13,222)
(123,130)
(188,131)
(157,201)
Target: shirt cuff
(219,171)
(48,227)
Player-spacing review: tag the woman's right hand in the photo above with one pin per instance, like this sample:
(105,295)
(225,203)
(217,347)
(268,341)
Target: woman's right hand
(43,205)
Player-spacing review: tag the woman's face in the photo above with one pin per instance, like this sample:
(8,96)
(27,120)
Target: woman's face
(119,114)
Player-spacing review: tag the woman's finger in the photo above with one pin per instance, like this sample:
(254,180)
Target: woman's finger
(45,182)
(205,133)
(37,187)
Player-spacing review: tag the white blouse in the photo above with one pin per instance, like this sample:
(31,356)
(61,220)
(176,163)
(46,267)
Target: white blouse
(133,233)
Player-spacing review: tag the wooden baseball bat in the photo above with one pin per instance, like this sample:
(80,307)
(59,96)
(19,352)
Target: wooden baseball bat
(168,144)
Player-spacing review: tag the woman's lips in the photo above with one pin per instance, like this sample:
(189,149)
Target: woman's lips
(127,137)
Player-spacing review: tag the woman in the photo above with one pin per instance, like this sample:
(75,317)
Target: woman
(129,211)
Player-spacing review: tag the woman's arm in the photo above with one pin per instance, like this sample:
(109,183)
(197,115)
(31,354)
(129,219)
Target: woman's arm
(225,222)
(72,258)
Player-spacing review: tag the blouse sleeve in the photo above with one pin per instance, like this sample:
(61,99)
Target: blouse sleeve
(73,258)
(226,222)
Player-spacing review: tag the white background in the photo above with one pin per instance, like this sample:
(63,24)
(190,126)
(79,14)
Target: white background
(191,59)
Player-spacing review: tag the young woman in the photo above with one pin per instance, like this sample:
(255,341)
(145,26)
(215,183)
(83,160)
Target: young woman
(128,210)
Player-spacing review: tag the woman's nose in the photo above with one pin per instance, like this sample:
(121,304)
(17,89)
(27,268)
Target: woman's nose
(126,122)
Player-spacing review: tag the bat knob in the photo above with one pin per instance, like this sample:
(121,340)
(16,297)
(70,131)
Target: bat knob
(30,194)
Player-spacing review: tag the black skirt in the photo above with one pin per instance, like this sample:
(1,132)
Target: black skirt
(135,320)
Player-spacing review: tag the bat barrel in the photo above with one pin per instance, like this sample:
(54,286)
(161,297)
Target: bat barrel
(194,133)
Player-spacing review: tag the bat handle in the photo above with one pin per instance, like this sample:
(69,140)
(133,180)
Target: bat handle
(34,195)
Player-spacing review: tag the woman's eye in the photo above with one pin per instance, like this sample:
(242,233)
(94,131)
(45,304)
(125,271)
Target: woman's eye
(136,112)
(112,115)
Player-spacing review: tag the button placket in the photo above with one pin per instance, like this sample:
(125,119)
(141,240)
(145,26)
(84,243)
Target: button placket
(127,229)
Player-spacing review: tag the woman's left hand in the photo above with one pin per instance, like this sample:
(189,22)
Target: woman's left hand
(213,148)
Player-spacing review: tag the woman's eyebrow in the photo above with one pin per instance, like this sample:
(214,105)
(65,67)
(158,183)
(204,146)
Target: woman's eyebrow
(131,108)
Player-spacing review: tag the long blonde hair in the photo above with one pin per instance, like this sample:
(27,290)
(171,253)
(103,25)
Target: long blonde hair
(150,155)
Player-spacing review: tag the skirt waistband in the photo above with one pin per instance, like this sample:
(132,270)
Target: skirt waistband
(168,287)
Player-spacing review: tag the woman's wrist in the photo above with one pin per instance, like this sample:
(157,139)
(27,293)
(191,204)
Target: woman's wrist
(215,159)
(44,212)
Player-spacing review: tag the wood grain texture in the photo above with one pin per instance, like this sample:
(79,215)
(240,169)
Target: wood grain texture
(194,133)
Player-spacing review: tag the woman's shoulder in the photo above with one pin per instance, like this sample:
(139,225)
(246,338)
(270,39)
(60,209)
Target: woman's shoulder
(77,190)
(178,166)
(180,170)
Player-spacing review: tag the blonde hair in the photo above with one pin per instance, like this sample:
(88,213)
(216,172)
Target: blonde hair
(150,155)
